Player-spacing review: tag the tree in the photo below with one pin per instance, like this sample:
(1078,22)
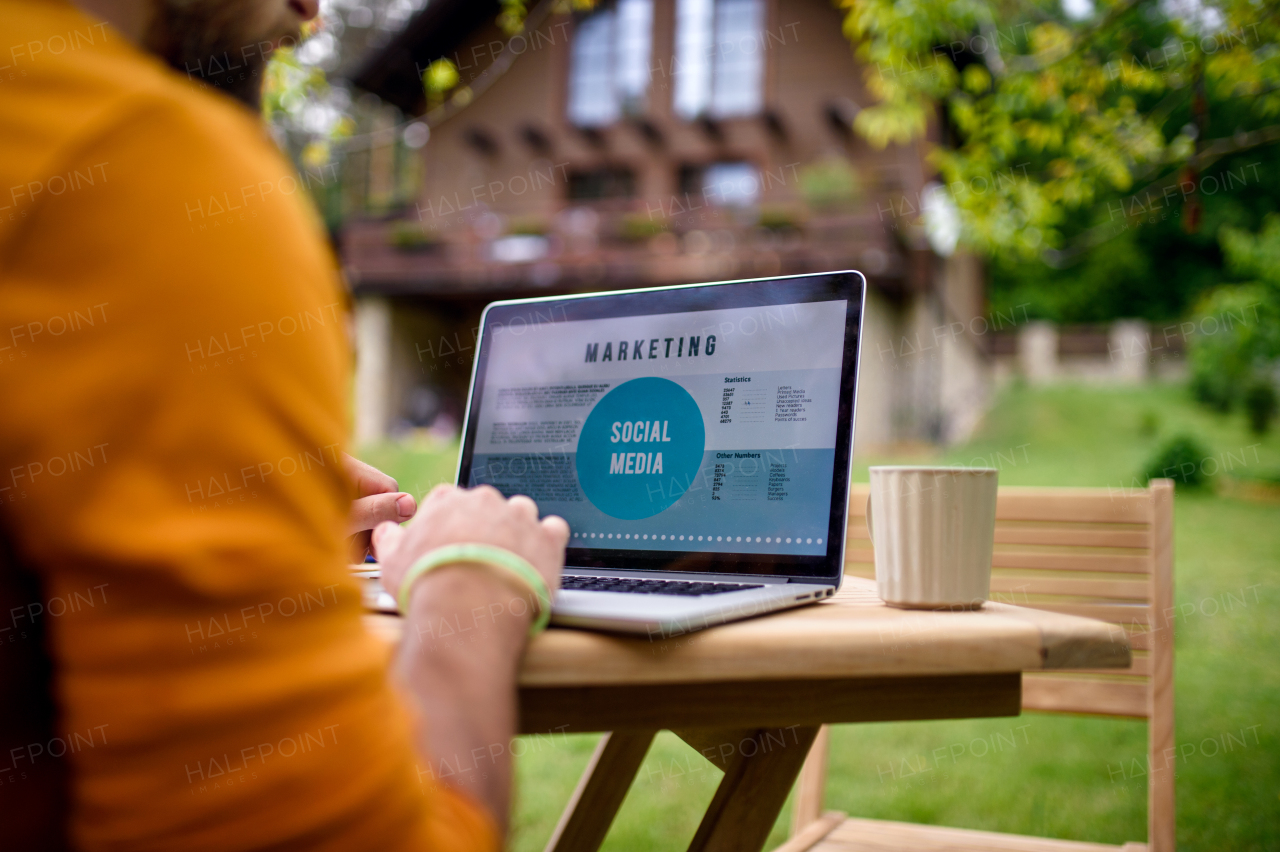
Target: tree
(1058,118)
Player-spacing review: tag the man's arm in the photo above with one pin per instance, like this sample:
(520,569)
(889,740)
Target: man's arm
(466,691)
(218,662)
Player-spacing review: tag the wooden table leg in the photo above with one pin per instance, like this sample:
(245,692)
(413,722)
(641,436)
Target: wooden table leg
(813,783)
(601,789)
(759,768)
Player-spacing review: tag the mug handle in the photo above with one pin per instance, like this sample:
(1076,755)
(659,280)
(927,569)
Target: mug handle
(870,534)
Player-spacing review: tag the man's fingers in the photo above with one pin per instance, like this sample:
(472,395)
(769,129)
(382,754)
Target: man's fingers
(387,537)
(558,527)
(525,506)
(367,478)
(439,491)
(368,512)
(489,492)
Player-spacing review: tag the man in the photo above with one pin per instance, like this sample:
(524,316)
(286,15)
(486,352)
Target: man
(181,654)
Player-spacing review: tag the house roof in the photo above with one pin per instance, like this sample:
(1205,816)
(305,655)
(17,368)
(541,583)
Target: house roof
(392,72)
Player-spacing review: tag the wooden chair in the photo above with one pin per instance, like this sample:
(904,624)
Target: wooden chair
(1100,553)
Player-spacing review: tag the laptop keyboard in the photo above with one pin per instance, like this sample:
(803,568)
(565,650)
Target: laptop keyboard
(650,587)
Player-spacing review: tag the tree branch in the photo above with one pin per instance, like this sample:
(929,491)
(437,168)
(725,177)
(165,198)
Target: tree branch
(1033,64)
(1213,151)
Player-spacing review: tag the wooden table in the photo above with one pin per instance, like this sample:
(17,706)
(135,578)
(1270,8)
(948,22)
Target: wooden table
(751,696)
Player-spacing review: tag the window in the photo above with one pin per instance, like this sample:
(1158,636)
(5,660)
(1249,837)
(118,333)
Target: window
(693,57)
(719,69)
(609,64)
(591,100)
(726,184)
(599,184)
(739,58)
(635,37)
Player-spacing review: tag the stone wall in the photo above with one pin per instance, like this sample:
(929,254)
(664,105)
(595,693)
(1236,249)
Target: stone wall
(1122,352)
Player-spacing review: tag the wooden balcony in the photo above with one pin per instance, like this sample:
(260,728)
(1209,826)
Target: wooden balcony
(459,261)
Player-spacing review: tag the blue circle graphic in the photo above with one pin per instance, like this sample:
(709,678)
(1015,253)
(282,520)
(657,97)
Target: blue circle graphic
(640,448)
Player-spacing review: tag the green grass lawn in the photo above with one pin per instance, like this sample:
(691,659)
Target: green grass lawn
(1041,774)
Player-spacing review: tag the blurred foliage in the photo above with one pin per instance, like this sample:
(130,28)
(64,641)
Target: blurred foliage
(440,76)
(1148,423)
(533,226)
(637,227)
(289,87)
(1260,405)
(1256,256)
(829,182)
(1115,280)
(1180,459)
(289,84)
(1224,362)
(412,236)
(438,79)
(1239,362)
(1152,267)
(780,218)
(1055,116)
(512,17)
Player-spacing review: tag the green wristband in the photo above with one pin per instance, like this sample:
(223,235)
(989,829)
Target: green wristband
(512,567)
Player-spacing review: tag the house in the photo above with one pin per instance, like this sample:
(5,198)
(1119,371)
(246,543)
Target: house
(649,142)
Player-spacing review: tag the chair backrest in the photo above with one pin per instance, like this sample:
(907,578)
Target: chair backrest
(1104,553)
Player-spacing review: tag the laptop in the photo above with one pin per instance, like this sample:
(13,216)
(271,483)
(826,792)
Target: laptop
(697,439)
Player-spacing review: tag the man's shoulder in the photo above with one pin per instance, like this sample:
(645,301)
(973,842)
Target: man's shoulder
(69,79)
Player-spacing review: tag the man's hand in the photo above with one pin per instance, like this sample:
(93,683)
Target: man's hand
(377,500)
(464,634)
(450,515)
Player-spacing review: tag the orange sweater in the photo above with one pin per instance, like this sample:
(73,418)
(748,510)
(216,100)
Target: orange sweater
(174,373)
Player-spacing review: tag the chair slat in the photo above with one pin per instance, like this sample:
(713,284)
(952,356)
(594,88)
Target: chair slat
(1161,739)
(1084,505)
(1056,694)
(1062,558)
(1129,615)
(1080,505)
(1018,588)
(863,555)
(1077,549)
(865,835)
(1141,665)
(1072,535)
(1027,590)
(1073,562)
(1139,640)
(1040,561)
(1064,535)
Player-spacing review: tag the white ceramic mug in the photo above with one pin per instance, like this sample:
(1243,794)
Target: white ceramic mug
(933,529)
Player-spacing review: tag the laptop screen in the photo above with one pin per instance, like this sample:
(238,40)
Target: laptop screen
(700,429)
